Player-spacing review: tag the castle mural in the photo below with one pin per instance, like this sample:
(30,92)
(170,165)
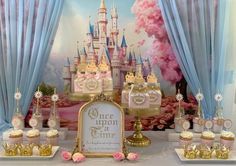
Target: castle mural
(102,40)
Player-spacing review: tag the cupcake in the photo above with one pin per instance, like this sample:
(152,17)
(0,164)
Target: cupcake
(227,139)
(16,137)
(52,137)
(33,136)
(207,138)
(185,138)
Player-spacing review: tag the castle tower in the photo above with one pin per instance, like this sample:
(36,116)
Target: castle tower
(102,23)
(123,44)
(91,54)
(139,62)
(116,65)
(114,26)
(67,77)
(89,33)
(134,60)
(77,58)
(95,31)
(72,75)
(104,52)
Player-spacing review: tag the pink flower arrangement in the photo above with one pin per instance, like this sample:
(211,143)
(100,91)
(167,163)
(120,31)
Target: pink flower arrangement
(76,157)
(119,156)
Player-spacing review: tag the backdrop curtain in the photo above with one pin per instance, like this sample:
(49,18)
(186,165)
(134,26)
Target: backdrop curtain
(27,30)
(198,31)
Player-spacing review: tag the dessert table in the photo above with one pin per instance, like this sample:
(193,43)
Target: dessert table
(160,152)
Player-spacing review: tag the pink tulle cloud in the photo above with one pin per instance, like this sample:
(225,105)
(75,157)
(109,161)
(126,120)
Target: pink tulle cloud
(149,18)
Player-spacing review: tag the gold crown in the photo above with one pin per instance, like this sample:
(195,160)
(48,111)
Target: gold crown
(45,149)
(129,77)
(82,67)
(151,78)
(10,149)
(222,152)
(139,78)
(103,65)
(190,152)
(91,67)
(26,150)
(205,152)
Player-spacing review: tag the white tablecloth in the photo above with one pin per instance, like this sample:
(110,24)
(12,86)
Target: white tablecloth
(159,153)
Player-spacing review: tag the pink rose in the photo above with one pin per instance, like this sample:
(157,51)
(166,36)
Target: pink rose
(132,156)
(118,156)
(65,155)
(78,157)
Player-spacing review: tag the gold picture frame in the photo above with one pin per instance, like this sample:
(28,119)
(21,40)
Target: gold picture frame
(103,133)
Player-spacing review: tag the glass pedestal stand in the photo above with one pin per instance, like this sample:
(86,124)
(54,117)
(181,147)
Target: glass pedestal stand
(138,139)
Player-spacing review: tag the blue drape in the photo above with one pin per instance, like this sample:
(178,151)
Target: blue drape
(198,32)
(27,30)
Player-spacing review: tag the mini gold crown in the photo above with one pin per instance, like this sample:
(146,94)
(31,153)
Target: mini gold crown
(91,67)
(205,152)
(190,152)
(103,65)
(82,67)
(10,149)
(26,150)
(151,78)
(139,78)
(129,78)
(222,152)
(45,149)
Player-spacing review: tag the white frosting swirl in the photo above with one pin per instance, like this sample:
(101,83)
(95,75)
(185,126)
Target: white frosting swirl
(16,133)
(227,134)
(52,133)
(208,134)
(33,133)
(186,134)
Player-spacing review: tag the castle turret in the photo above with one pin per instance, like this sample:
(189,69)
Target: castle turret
(73,75)
(116,65)
(134,60)
(89,33)
(91,54)
(102,23)
(130,58)
(139,62)
(77,58)
(104,51)
(123,44)
(67,77)
(114,26)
